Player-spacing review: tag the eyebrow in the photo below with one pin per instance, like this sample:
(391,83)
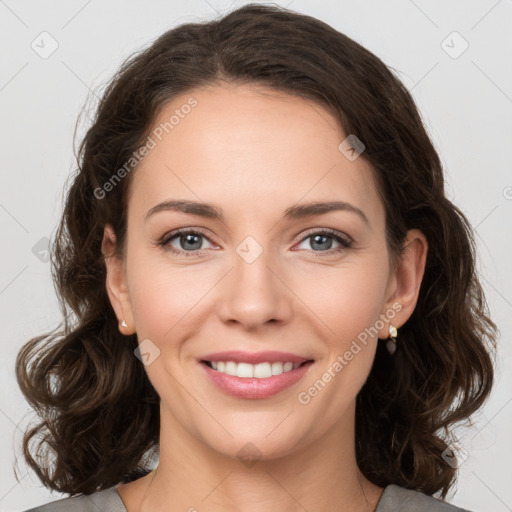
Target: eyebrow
(294,212)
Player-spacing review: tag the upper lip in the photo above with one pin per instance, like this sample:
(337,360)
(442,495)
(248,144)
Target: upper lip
(239,356)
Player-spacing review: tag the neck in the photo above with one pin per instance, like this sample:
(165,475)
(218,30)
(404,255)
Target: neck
(323,476)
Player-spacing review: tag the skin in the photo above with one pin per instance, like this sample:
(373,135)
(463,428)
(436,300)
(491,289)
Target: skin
(254,152)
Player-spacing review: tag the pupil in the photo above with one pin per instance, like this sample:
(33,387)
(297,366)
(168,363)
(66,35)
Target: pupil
(316,237)
(187,238)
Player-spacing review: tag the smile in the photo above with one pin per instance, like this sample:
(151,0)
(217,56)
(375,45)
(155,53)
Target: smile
(254,381)
(258,371)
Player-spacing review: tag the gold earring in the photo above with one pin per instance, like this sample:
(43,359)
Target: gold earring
(391,343)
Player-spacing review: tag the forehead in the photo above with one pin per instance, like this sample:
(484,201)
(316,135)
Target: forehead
(249,147)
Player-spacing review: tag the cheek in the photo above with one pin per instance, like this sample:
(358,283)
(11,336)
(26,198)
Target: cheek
(350,312)
(348,305)
(347,300)
(161,297)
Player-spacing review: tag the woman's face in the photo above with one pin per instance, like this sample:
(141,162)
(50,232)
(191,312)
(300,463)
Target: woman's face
(258,276)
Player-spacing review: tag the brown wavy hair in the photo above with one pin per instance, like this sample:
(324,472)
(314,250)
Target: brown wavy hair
(99,414)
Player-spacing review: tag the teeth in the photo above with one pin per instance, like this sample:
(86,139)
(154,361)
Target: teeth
(247,370)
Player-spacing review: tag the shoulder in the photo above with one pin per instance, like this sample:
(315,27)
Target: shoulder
(399,499)
(107,499)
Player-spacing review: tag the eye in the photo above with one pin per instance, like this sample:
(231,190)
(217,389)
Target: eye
(188,241)
(323,240)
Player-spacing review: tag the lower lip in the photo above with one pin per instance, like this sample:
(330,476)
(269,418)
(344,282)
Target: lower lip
(253,388)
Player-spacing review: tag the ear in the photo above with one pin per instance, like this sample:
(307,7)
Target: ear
(405,281)
(116,282)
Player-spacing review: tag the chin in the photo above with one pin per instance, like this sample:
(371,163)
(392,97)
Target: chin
(258,442)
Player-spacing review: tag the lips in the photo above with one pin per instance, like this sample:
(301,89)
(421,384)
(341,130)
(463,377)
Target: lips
(255,387)
(239,356)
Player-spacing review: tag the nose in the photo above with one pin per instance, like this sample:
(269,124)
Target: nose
(254,292)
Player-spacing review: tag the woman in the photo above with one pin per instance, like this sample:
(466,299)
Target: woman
(257,205)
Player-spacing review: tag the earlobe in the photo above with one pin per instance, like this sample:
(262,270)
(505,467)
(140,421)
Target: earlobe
(408,277)
(116,284)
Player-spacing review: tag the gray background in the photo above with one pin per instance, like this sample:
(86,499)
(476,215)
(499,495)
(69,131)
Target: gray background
(465,99)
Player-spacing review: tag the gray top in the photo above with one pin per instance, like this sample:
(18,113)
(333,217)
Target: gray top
(393,499)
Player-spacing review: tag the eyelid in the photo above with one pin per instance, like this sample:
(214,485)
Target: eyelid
(165,239)
(327,231)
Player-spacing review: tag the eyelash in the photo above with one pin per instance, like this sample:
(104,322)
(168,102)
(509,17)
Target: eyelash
(346,243)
